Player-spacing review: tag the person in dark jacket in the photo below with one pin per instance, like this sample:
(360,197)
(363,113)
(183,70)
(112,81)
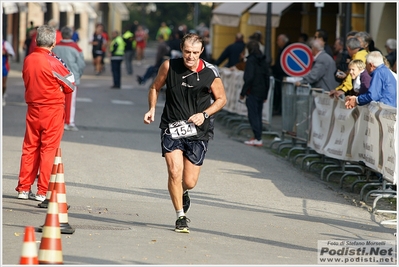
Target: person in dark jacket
(255,90)
(282,42)
(232,52)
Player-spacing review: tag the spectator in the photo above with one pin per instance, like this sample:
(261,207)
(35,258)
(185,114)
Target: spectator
(303,38)
(255,90)
(69,51)
(130,46)
(355,51)
(99,44)
(282,42)
(323,69)
(52,23)
(28,40)
(75,35)
(174,44)
(323,36)
(366,41)
(383,85)
(257,36)
(208,47)
(232,52)
(390,46)
(162,52)
(8,52)
(47,80)
(339,54)
(141,37)
(360,77)
(31,27)
(342,66)
(164,30)
(117,48)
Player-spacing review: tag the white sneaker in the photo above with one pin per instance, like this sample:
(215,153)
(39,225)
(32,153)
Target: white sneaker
(70,128)
(254,142)
(40,198)
(26,195)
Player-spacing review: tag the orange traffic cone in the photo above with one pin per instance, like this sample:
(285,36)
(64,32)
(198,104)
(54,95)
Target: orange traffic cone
(50,250)
(29,249)
(57,159)
(53,176)
(59,186)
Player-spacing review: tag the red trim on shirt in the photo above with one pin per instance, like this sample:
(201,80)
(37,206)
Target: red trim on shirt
(200,65)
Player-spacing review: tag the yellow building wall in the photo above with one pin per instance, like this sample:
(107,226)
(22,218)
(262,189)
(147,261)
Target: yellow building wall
(358,17)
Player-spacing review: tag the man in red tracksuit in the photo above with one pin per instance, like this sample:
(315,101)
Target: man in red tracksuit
(47,80)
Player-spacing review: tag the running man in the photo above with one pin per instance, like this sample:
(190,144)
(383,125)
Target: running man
(194,93)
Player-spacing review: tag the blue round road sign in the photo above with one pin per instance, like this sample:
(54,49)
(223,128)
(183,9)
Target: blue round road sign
(296,59)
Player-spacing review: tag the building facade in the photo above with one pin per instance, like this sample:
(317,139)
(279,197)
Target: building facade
(83,16)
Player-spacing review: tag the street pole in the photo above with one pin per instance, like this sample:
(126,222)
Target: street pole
(319,6)
(268,42)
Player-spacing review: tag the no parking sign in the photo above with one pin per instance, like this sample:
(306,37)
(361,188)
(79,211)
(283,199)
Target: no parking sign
(296,59)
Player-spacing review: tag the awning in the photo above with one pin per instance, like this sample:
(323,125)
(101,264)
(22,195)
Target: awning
(65,7)
(257,14)
(10,8)
(81,7)
(229,14)
(42,5)
(22,7)
(122,10)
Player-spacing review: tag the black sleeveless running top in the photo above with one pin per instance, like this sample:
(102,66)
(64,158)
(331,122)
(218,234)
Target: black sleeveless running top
(189,92)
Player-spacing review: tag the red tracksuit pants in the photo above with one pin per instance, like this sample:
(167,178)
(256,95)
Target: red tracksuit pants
(70,107)
(44,130)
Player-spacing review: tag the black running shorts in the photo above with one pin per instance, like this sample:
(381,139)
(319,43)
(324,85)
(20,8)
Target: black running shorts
(193,150)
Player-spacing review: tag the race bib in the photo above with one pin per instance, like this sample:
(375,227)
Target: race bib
(181,129)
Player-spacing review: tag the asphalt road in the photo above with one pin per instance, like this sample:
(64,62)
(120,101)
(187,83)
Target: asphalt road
(250,206)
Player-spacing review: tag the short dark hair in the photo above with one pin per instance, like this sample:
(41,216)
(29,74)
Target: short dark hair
(66,32)
(304,36)
(322,34)
(253,47)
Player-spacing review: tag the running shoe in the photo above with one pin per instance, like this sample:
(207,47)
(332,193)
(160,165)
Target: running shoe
(181,225)
(186,202)
(26,195)
(254,142)
(40,198)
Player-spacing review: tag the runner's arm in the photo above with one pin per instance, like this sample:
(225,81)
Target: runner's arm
(220,100)
(153,93)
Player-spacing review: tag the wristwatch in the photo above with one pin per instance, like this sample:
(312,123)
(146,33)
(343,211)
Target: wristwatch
(205,115)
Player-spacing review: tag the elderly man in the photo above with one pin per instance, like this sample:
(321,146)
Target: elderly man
(390,45)
(382,86)
(68,50)
(323,70)
(194,93)
(47,79)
